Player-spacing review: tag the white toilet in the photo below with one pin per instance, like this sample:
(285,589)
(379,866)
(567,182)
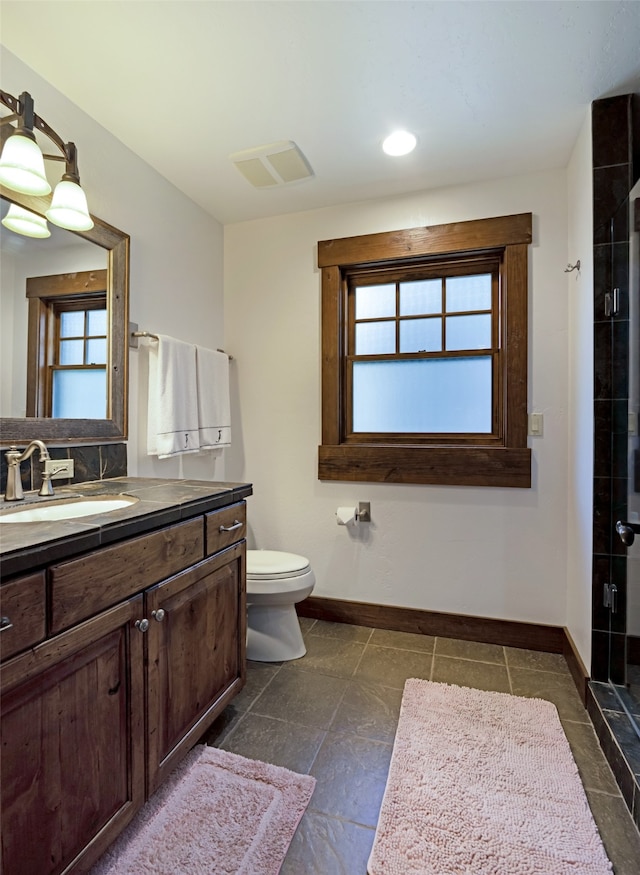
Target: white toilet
(275,583)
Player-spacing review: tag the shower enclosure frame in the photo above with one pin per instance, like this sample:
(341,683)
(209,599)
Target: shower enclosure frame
(616,167)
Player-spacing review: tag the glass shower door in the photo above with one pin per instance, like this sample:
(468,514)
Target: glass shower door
(624,595)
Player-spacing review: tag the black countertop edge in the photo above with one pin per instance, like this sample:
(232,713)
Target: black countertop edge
(33,558)
(154,511)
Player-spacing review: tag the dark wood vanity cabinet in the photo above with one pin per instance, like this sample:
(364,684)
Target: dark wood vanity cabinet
(96,715)
(195,665)
(23,606)
(72,743)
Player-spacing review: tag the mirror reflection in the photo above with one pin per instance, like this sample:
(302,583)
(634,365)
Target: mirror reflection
(63,331)
(65,276)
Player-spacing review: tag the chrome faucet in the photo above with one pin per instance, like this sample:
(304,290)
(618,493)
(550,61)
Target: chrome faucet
(14,483)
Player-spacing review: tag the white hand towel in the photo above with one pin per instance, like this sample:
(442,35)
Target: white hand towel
(214,410)
(172,427)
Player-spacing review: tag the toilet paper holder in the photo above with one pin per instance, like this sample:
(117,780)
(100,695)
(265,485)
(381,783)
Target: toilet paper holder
(364,512)
(351,515)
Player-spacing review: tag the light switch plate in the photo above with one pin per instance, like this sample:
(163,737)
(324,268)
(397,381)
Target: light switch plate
(535,424)
(59,469)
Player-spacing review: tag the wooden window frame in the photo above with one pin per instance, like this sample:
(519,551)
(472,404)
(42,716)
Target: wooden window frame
(44,294)
(501,459)
(436,269)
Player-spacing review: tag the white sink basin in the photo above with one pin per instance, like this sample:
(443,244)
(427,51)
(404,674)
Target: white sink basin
(67,509)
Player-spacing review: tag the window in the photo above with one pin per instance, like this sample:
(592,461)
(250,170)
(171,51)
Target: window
(68,348)
(79,368)
(424,350)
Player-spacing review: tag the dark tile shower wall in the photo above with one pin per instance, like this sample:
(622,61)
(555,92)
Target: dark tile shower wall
(613,178)
(616,166)
(90,463)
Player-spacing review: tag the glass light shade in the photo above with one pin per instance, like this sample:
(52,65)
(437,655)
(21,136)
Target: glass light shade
(22,166)
(23,222)
(399,143)
(69,207)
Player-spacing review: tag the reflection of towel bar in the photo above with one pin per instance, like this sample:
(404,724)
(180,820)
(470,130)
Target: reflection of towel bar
(155,337)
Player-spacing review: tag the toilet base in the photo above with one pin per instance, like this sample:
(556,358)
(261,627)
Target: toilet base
(273,633)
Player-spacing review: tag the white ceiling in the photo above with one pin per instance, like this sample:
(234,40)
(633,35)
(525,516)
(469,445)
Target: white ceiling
(491,89)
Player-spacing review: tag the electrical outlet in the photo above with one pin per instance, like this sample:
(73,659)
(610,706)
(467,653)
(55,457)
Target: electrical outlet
(59,469)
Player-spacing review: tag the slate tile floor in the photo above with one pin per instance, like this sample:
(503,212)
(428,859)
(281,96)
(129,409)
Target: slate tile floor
(333,714)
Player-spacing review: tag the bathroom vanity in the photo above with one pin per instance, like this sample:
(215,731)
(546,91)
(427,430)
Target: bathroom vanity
(123,639)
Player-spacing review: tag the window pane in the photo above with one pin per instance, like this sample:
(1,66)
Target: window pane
(72,323)
(423,396)
(71,352)
(80,394)
(468,332)
(469,293)
(375,338)
(97,323)
(374,302)
(423,296)
(97,352)
(421,335)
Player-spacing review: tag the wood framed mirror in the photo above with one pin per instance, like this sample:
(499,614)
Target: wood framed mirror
(114,426)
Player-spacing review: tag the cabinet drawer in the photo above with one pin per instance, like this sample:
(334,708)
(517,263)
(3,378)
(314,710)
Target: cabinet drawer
(85,586)
(22,603)
(226,527)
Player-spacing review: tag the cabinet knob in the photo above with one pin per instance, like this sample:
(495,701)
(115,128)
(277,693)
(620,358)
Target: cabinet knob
(158,615)
(236,525)
(142,625)
(5,624)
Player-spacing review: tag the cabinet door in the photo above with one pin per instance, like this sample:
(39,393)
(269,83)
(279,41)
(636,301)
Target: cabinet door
(72,744)
(196,654)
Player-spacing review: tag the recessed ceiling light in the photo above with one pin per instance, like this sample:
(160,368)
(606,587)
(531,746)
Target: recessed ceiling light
(399,143)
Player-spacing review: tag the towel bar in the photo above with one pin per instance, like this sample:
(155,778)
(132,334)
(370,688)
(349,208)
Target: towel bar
(151,336)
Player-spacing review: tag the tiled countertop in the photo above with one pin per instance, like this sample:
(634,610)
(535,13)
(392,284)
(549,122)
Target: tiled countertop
(27,546)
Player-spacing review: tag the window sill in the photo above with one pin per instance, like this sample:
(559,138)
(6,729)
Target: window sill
(445,466)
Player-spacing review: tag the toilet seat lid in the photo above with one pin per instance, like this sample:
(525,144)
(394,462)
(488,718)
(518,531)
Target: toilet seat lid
(268,564)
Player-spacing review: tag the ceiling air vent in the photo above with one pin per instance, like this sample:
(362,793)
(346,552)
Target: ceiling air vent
(276,164)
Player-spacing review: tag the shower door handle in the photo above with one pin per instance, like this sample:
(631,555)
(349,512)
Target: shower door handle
(627,531)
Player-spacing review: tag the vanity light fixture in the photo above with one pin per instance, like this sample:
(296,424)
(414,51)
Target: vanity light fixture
(22,167)
(25,222)
(399,143)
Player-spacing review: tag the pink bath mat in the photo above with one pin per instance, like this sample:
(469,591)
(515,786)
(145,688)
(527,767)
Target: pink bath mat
(217,814)
(483,783)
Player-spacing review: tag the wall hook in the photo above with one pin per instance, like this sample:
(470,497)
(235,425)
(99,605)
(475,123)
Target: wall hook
(571,267)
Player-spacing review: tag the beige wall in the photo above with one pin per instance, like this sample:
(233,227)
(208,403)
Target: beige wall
(518,554)
(488,552)
(176,253)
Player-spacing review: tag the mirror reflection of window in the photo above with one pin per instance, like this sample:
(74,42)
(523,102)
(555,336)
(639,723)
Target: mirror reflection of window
(68,348)
(81,263)
(79,371)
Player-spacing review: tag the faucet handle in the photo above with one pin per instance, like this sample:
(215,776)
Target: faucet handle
(14,490)
(47,487)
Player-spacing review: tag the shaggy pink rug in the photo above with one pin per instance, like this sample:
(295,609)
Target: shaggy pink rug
(217,814)
(483,783)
